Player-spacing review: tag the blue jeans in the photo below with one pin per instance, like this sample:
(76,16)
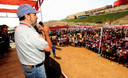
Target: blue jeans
(35,72)
(54,54)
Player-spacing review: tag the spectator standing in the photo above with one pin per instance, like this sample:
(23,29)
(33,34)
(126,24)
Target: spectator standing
(2,42)
(54,46)
(120,55)
(6,39)
(76,43)
(125,58)
(70,40)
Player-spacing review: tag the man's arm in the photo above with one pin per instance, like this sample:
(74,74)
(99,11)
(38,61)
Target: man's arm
(45,29)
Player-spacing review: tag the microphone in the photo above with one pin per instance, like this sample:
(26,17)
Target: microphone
(41,23)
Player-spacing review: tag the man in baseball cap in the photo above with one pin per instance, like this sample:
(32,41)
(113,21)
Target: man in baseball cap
(29,45)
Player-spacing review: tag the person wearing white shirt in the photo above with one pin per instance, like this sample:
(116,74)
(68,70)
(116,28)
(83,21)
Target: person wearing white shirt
(29,45)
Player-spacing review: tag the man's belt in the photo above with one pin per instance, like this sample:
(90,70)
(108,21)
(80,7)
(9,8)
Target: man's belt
(31,66)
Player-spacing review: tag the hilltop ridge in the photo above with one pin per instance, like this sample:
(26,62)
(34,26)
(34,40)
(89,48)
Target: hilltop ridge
(120,21)
(116,18)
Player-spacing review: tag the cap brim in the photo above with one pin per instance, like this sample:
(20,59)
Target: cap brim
(37,11)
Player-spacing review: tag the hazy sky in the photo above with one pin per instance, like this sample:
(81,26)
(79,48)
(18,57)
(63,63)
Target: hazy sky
(59,9)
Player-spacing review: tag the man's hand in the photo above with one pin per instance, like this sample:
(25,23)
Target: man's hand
(45,29)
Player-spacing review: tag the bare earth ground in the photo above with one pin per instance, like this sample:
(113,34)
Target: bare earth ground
(75,62)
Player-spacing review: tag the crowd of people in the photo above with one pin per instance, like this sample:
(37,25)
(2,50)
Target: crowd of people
(113,45)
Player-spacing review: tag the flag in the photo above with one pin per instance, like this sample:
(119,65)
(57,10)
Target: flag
(38,4)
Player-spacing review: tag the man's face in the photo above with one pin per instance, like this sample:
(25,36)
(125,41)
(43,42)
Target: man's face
(33,18)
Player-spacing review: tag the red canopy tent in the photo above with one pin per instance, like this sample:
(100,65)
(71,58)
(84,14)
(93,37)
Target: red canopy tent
(34,3)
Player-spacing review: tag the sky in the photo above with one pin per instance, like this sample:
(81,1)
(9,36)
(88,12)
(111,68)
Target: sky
(57,9)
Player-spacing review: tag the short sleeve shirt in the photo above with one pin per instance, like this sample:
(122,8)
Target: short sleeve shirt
(29,45)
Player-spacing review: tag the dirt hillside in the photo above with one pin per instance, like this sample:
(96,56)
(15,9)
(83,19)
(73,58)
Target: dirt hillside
(121,21)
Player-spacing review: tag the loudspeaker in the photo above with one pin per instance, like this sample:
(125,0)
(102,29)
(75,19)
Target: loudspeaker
(52,68)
